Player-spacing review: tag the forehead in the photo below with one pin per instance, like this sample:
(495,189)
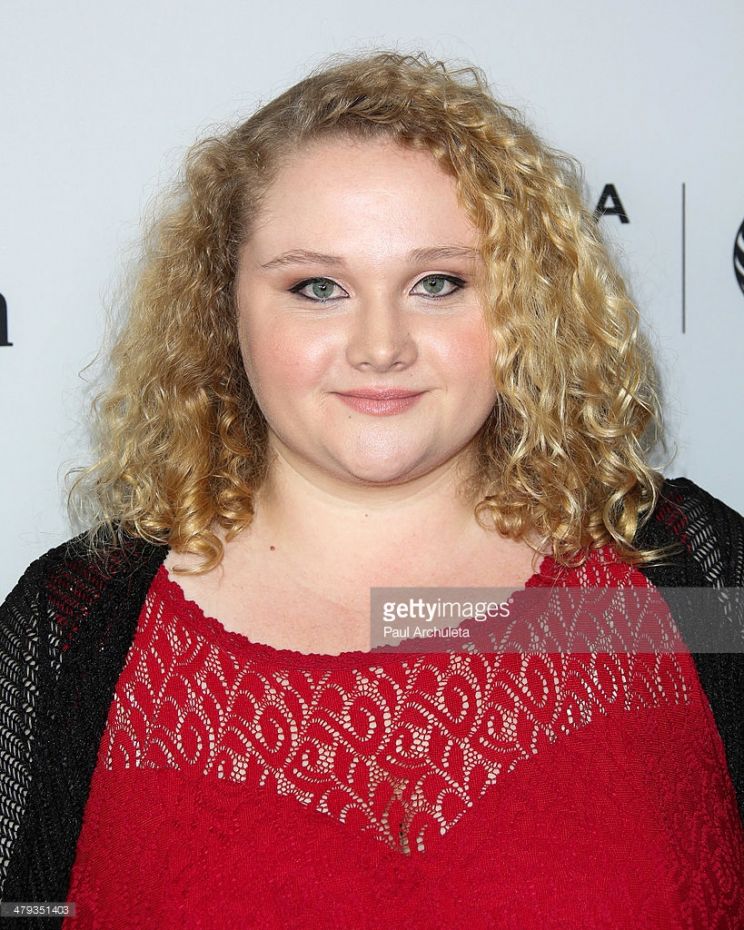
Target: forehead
(363,191)
(349,166)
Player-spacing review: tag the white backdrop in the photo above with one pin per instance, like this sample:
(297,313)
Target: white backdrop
(100,101)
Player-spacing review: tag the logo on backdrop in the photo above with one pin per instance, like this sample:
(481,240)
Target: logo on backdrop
(739,257)
(610,204)
(4,322)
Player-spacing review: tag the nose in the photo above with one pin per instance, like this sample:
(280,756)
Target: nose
(380,336)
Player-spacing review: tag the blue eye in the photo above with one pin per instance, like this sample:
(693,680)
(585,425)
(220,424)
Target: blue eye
(322,288)
(457,283)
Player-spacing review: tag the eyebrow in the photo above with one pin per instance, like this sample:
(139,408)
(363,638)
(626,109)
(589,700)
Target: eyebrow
(307,257)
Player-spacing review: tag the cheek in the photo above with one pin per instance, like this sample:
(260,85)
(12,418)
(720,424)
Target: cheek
(282,359)
(466,358)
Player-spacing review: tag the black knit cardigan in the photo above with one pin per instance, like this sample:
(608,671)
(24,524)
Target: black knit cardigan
(67,626)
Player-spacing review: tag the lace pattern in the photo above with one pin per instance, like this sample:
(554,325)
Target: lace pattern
(398,746)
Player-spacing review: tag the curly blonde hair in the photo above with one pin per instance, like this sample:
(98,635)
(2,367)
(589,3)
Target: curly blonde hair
(180,440)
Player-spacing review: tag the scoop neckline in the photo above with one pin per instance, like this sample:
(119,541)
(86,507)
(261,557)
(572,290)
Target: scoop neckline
(239,644)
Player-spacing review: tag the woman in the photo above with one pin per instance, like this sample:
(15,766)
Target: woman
(375,341)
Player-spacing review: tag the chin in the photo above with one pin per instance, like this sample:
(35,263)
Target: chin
(381,474)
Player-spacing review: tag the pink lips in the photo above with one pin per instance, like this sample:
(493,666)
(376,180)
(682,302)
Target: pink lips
(382,402)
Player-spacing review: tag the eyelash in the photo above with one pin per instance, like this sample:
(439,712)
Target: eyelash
(458,282)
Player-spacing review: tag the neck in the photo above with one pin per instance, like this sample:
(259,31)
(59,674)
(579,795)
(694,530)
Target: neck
(309,515)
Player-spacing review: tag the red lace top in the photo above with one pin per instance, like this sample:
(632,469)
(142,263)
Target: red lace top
(238,786)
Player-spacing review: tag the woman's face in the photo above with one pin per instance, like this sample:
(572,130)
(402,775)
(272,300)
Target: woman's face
(364,312)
